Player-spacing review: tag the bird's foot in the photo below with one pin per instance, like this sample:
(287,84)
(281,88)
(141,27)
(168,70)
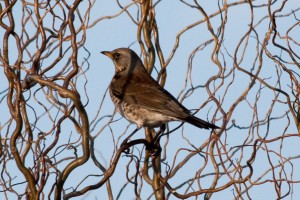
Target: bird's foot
(156,151)
(162,129)
(154,148)
(125,146)
(159,134)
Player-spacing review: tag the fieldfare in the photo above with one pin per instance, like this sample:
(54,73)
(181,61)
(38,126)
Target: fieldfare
(140,99)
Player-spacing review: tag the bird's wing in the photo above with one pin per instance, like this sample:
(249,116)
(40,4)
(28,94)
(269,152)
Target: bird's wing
(149,94)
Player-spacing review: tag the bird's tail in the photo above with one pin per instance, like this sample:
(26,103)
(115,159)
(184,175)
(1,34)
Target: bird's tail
(199,122)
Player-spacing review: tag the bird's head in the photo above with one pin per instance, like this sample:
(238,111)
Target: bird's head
(125,60)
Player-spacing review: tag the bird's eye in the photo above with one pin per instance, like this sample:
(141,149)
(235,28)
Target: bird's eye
(117,55)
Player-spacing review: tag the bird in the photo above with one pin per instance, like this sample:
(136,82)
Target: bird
(140,98)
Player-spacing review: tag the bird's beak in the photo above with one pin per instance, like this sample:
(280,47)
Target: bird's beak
(107,53)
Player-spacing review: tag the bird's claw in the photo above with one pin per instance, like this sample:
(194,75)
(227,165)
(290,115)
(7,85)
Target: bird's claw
(125,146)
(156,151)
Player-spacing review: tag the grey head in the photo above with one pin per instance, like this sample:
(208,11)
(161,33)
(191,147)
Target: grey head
(125,60)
